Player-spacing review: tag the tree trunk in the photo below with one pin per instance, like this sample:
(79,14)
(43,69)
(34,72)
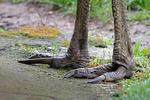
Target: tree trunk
(77,54)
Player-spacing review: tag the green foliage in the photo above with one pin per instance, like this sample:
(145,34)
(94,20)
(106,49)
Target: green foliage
(138,87)
(135,90)
(1,30)
(96,40)
(100,61)
(101,45)
(137,50)
(100,9)
(141,15)
(18,1)
(99,40)
(138,4)
(30,49)
(109,41)
(139,56)
(65,43)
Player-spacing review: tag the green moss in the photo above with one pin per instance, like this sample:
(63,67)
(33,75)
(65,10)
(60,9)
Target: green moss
(42,66)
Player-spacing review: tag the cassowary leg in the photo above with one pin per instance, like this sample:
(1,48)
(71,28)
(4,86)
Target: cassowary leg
(111,76)
(77,54)
(90,72)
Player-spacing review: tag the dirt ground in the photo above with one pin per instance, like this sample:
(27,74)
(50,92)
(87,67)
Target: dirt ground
(13,16)
(24,82)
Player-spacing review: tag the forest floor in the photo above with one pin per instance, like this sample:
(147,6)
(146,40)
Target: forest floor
(24,82)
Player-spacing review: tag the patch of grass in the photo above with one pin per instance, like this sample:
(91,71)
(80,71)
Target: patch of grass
(95,39)
(99,40)
(137,51)
(101,45)
(29,49)
(32,32)
(8,35)
(138,87)
(100,9)
(109,40)
(96,62)
(134,90)
(140,15)
(99,61)
(42,66)
(138,4)
(146,22)
(64,44)
(1,30)
(47,32)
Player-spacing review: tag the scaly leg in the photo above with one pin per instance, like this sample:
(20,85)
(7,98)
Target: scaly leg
(90,72)
(111,76)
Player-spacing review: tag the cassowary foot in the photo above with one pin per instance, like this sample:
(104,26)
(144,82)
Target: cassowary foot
(89,72)
(81,73)
(58,62)
(101,73)
(110,76)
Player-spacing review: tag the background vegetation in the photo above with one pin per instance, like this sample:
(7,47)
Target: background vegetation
(100,8)
(138,87)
